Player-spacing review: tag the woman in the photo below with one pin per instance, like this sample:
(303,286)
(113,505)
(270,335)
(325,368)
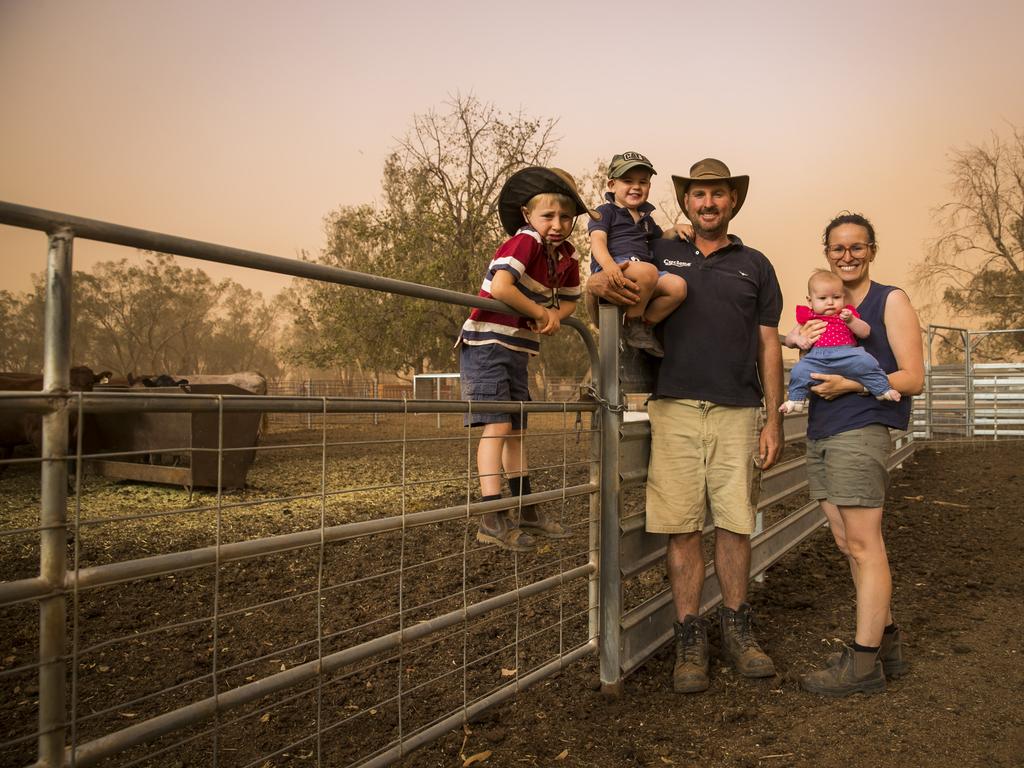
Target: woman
(847,449)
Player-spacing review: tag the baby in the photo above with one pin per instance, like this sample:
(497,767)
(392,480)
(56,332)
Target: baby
(836,350)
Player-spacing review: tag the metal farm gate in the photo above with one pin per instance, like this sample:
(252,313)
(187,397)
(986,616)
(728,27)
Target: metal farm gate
(969,400)
(343,617)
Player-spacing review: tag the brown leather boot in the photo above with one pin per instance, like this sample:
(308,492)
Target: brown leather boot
(537,523)
(855,673)
(890,653)
(691,671)
(739,645)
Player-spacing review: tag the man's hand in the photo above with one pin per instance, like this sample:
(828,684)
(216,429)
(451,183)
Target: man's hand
(624,295)
(615,275)
(770,442)
(681,230)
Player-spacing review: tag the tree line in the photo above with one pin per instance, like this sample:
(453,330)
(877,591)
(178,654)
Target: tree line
(436,224)
(157,317)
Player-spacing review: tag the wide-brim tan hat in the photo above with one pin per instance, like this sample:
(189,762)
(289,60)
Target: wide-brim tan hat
(529,182)
(710,170)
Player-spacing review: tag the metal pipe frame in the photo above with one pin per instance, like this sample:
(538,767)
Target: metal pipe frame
(139,401)
(53,501)
(92,752)
(157,565)
(609,613)
(91,229)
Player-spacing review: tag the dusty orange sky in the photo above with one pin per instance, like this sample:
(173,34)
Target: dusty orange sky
(244,123)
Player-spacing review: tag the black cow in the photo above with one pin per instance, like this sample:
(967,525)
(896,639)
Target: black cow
(20,428)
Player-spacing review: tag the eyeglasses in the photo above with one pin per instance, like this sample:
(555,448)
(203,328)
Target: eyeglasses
(857,250)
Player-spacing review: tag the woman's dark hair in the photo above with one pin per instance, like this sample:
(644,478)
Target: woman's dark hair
(845,217)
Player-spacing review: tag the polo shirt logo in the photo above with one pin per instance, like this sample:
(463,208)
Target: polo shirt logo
(674,263)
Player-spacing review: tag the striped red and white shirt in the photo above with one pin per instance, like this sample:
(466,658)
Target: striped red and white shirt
(538,277)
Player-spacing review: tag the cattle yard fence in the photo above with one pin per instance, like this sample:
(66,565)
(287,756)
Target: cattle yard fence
(967,399)
(349,607)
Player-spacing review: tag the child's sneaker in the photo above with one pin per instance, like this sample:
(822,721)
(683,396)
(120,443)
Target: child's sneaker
(792,406)
(639,335)
(890,394)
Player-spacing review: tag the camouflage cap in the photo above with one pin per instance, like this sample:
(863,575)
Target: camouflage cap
(627,160)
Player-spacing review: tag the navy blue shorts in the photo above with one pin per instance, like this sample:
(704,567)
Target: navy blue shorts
(494,372)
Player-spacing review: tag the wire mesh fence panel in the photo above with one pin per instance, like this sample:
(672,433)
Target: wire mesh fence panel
(330,609)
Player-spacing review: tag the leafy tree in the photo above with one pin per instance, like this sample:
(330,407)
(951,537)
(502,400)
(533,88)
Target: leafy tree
(154,318)
(21,317)
(437,224)
(977,264)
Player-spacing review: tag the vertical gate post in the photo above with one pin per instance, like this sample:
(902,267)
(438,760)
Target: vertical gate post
(929,386)
(53,501)
(969,379)
(610,573)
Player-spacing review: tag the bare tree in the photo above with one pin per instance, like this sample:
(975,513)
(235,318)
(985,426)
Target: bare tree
(977,265)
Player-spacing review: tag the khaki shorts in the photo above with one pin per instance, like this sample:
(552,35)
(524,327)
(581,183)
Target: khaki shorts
(849,469)
(701,453)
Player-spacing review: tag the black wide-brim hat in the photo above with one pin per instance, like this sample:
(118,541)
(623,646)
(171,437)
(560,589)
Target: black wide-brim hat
(711,170)
(523,185)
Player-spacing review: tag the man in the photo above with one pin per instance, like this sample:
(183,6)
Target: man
(722,356)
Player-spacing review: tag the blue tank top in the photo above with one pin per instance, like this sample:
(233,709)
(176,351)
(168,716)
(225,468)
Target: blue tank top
(852,411)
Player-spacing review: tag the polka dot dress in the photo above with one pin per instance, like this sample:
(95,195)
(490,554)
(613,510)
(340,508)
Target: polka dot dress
(837,333)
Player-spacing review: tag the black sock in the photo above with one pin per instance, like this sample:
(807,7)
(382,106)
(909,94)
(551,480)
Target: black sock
(890,629)
(858,648)
(520,486)
(495,497)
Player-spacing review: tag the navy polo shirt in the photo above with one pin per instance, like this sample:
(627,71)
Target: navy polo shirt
(627,239)
(711,340)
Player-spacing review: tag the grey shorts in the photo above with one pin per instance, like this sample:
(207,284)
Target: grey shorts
(850,469)
(494,372)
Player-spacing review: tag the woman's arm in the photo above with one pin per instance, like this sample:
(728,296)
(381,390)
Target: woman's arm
(904,332)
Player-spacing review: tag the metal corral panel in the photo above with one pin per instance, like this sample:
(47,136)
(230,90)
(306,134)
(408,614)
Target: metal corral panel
(650,625)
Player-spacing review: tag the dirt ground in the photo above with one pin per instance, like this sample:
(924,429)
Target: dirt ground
(952,526)
(953,530)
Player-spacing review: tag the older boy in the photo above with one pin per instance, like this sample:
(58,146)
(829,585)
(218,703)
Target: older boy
(536,273)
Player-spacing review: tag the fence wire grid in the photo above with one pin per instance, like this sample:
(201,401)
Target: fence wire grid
(331,610)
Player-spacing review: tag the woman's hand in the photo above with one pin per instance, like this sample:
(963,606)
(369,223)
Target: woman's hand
(804,336)
(833,385)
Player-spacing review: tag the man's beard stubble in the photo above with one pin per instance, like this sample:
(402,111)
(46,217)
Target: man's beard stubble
(709,234)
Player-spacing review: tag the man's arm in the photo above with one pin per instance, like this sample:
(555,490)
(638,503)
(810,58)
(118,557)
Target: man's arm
(769,367)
